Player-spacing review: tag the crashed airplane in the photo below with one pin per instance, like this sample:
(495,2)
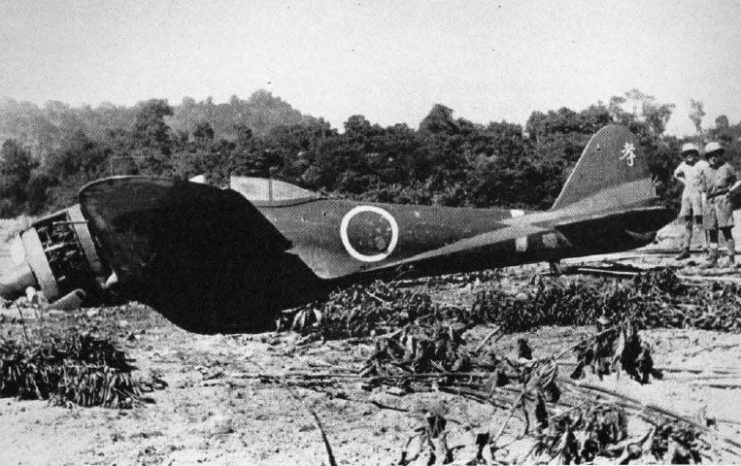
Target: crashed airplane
(228,260)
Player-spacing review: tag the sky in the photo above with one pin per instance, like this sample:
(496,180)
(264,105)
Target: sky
(388,60)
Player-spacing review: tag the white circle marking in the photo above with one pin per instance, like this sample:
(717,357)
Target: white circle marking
(346,241)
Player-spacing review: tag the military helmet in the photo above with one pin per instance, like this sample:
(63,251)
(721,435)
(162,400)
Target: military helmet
(713,147)
(690,147)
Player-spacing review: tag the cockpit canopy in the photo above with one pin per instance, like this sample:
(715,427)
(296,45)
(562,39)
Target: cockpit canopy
(269,190)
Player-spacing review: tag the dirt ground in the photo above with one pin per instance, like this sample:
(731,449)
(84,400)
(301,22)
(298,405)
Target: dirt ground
(216,411)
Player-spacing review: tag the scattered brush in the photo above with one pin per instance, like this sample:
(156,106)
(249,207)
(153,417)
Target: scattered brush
(601,429)
(655,299)
(652,300)
(360,311)
(89,385)
(419,347)
(678,443)
(617,348)
(556,420)
(567,425)
(76,369)
(579,435)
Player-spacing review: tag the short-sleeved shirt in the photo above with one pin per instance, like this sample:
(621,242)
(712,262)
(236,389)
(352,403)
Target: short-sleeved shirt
(719,179)
(694,176)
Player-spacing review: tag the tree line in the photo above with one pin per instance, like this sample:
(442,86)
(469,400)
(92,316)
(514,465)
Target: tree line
(49,153)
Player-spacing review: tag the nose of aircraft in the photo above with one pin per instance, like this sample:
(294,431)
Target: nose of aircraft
(55,255)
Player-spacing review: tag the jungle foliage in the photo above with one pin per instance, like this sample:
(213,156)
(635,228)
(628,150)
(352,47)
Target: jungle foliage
(48,153)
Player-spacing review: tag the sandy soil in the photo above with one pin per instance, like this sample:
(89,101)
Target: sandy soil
(213,412)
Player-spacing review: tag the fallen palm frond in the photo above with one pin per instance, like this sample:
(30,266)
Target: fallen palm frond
(76,369)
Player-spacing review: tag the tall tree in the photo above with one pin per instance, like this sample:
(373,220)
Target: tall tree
(697,114)
(152,138)
(722,123)
(439,120)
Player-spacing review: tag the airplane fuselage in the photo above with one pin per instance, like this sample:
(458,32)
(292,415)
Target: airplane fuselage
(336,238)
(341,239)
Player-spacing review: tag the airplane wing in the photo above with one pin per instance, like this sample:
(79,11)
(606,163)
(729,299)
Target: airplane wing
(601,231)
(469,253)
(135,217)
(580,234)
(192,251)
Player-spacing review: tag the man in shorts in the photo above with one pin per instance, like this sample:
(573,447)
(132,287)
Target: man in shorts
(691,173)
(720,184)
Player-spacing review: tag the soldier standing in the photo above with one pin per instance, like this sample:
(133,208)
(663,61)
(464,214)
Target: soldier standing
(720,184)
(691,173)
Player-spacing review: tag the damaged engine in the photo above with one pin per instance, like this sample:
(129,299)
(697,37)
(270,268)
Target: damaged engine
(57,255)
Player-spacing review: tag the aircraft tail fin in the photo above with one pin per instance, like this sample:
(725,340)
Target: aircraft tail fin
(612,173)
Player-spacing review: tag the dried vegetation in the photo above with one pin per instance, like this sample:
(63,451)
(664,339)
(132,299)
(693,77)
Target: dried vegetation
(652,300)
(70,367)
(420,346)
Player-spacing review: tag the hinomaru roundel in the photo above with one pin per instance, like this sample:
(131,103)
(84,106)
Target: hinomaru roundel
(369,233)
